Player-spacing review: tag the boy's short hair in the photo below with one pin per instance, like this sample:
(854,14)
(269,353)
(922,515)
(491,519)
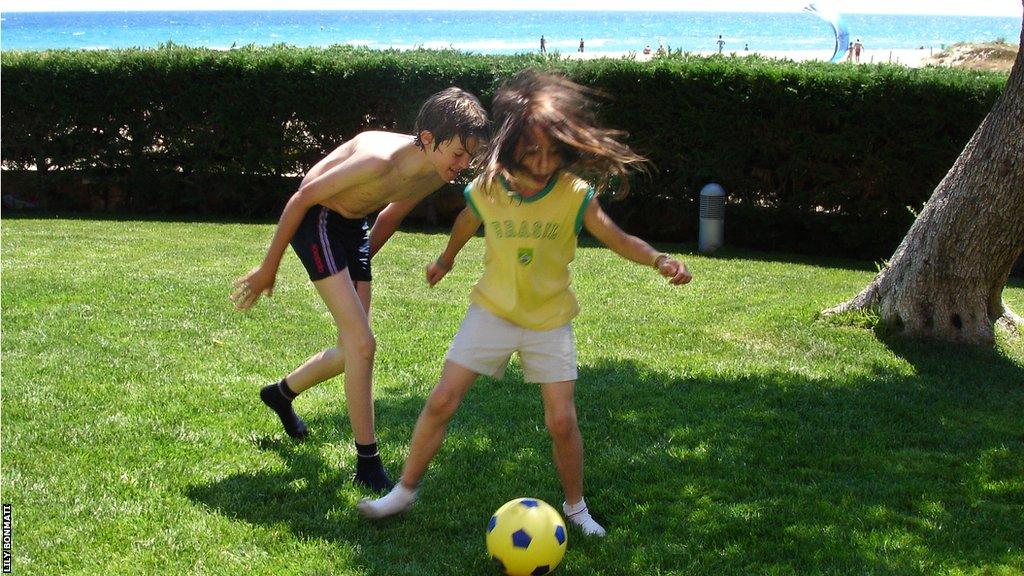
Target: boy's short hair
(452,112)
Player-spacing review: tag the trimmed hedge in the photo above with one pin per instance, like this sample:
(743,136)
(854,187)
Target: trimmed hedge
(815,157)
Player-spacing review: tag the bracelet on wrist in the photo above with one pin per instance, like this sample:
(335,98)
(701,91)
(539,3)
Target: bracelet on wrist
(661,256)
(440,262)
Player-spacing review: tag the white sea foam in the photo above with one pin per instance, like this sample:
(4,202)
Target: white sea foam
(484,45)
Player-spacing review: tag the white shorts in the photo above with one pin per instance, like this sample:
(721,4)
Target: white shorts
(485,343)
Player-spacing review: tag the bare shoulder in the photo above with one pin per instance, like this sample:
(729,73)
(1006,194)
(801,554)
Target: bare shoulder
(373,153)
(377,145)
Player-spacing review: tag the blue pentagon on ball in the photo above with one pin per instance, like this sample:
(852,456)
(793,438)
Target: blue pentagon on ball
(520,539)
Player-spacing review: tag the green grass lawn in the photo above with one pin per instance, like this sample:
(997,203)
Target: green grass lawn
(727,430)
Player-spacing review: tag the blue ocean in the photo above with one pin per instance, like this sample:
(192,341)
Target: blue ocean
(490,32)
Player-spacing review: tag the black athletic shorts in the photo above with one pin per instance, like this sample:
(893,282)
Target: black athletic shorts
(327,243)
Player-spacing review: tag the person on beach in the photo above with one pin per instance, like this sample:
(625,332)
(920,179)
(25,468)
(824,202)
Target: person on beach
(543,45)
(581,46)
(849,52)
(721,44)
(325,222)
(857,48)
(532,204)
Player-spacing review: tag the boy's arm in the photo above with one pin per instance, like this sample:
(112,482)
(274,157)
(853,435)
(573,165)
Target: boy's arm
(466,224)
(630,247)
(349,173)
(388,221)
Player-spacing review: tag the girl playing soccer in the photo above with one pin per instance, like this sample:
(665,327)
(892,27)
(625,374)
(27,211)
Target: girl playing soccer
(532,205)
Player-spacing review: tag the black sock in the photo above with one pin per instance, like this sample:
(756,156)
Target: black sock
(370,470)
(286,391)
(278,397)
(367,450)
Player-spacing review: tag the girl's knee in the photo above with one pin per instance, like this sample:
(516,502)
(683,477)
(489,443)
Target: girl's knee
(441,404)
(562,424)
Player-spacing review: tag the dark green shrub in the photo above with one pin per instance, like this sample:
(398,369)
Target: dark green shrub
(815,157)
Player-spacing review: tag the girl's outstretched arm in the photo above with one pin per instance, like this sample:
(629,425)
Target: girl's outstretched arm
(601,226)
(466,224)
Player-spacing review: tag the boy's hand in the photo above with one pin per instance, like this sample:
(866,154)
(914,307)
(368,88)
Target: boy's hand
(248,288)
(437,270)
(674,270)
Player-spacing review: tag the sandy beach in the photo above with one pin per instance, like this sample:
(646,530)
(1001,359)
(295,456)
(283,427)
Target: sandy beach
(913,58)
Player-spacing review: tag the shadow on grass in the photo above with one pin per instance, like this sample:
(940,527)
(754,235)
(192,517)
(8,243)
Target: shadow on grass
(932,358)
(766,473)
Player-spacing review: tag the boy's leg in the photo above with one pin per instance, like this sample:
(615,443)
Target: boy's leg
(441,405)
(329,363)
(318,368)
(567,448)
(357,345)
(356,342)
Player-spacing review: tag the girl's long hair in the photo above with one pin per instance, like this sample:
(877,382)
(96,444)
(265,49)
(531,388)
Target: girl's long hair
(563,110)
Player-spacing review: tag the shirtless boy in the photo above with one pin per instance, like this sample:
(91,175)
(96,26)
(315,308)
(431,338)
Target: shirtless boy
(325,222)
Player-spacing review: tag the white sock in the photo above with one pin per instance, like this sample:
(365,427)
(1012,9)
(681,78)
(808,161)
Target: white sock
(398,500)
(579,515)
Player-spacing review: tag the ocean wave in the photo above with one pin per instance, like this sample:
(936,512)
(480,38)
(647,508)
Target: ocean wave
(483,44)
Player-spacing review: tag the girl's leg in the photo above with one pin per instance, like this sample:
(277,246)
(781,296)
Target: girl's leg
(567,444)
(567,448)
(444,399)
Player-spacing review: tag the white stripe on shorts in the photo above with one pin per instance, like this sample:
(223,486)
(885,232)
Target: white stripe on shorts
(321,229)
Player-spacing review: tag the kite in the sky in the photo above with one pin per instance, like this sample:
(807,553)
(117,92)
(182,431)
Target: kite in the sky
(831,14)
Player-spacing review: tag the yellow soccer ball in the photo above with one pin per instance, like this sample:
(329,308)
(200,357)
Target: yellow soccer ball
(525,537)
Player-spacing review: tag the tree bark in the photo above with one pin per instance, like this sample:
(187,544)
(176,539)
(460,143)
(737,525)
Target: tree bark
(946,278)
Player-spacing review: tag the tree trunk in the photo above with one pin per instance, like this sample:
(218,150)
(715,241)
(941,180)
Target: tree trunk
(945,280)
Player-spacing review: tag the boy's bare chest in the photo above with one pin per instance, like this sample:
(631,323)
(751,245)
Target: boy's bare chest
(358,201)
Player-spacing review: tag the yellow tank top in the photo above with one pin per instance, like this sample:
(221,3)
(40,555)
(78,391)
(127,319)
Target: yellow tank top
(529,243)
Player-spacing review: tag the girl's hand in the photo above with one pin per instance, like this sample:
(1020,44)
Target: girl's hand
(248,288)
(437,270)
(674,270)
